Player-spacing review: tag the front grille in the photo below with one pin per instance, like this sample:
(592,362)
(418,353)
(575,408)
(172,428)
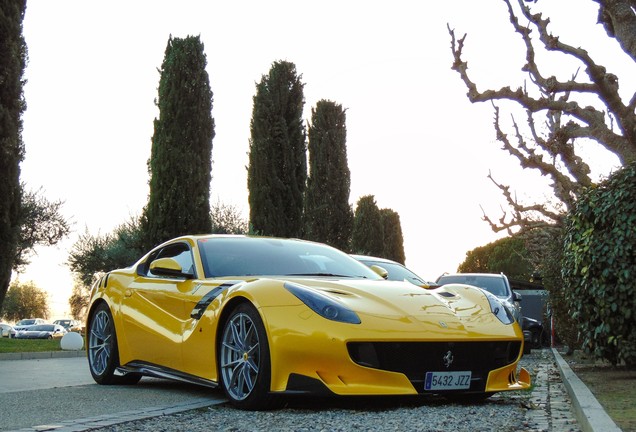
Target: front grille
(414,359)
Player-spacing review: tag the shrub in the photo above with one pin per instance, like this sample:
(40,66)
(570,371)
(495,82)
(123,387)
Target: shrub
(598,266)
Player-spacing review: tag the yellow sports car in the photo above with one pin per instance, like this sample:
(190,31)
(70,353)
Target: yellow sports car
(267,317)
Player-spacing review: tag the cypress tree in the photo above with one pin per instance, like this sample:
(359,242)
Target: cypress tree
(393,238)
(180,164)
(277,171)
(13,52)
(328,215)
(368,231)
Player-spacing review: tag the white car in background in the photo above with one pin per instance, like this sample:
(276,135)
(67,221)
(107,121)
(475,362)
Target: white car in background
(24,324)
(7,330)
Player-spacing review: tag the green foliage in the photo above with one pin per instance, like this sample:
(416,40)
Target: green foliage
(79,300)
(227,219)
(507,255)
(13,52)
(393,238)
(41,223)
(368,230)
(91,255)
(25,300)
(180,164)
(277,171)
(476,260)
(598,266)
(328,215)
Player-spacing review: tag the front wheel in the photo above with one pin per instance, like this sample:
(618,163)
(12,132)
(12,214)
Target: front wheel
(103,354)
(244,360)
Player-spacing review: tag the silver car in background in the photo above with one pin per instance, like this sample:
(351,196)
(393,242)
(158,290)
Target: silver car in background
(23,324)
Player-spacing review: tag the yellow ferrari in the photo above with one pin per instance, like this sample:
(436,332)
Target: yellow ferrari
(264,318)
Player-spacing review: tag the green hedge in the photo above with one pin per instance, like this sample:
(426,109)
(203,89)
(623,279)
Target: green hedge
(599,266)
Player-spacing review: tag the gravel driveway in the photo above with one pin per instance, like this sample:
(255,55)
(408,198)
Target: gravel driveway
(545,408)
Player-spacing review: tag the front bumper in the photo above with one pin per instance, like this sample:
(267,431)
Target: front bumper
(358,360)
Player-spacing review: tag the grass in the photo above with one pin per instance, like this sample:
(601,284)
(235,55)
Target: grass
(613,387)
(28,345)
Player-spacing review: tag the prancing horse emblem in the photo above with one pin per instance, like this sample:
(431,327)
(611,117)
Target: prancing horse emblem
(448,359)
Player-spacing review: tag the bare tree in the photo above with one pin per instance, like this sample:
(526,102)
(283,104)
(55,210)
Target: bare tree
(559,112)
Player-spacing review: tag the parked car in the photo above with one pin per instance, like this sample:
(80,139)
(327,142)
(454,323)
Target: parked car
(538,336)
(42,331)
(23,324)
(497,284)
(6,330)
(393,270)
(263,317)
(70,325)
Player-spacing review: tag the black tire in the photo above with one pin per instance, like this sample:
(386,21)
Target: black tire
(536,339)
(103,354)
(244,360)
(527,349)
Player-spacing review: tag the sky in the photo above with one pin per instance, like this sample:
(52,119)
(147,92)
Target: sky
(414,141)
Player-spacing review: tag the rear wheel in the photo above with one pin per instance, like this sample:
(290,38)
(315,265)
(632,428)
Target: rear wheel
(244,360)
(536,339)
(527,349)
(103,355)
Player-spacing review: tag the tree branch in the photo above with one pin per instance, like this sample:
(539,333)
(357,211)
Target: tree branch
(611,122)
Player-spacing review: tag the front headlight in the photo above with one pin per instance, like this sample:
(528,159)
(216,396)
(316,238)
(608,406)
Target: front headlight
(322,304)
(499,309)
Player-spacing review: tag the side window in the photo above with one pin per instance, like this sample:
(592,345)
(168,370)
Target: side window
(180,252)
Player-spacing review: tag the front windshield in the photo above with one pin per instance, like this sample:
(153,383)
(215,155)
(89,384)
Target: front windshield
(248,256)
(494,285)
(26,322)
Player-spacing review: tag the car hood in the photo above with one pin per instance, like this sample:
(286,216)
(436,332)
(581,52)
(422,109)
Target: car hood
(380,304)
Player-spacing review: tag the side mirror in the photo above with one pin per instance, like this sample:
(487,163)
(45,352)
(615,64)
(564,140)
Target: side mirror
(380,271)
(516,296)
(168,267)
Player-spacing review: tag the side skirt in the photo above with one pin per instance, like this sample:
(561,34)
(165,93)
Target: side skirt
(156,371)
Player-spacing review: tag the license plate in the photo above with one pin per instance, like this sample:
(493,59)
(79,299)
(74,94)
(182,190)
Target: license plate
(456,380)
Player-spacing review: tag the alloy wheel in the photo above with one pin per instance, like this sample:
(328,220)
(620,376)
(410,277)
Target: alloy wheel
(240,356)
(100,342)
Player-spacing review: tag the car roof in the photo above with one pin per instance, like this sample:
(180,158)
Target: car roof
(494,275)
(372,258)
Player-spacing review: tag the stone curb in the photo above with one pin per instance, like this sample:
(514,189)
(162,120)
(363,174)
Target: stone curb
(87,424)
(42,355)
(588,411)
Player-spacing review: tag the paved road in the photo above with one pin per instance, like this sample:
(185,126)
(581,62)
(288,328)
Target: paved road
(60,394)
